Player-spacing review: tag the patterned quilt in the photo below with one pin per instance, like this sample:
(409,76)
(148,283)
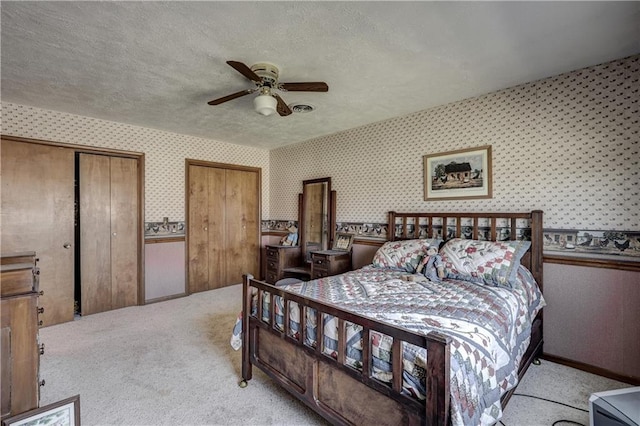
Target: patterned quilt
(489,326)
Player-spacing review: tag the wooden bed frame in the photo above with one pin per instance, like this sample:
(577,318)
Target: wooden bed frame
(344,395)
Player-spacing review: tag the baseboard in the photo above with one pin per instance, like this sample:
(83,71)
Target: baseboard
(592,369)
(163,298)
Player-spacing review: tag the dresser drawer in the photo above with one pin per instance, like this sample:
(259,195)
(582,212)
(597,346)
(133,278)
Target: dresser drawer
(272,264)
(272,277)
(18,278)
(272,253)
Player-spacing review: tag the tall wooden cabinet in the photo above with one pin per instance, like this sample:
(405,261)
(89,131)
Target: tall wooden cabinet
(20,387)
(39,206)
(223,226)
(108,232)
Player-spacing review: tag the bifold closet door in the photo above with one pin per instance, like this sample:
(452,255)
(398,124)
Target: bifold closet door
(206,223)
(242,225)
(37,215)
(223,226)
(108,232)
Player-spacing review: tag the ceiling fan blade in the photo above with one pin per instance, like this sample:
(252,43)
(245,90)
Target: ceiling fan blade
(315,86)
(282,108)
(245,70)
(231,96)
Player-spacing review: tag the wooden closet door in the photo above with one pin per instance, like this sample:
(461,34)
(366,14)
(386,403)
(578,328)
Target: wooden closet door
(242,205)
(95,233)
(206,228)
(197,229)
(217,218)
(125,229)
(38,215)
(109,252)
(223,230)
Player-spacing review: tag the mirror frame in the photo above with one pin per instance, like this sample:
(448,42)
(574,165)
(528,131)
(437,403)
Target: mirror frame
(329,199)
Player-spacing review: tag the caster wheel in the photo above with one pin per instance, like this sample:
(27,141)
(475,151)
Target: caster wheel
(536,361)
(243,383)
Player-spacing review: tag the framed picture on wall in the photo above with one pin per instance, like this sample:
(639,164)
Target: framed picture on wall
(343,241)
(455,175)
(61,413)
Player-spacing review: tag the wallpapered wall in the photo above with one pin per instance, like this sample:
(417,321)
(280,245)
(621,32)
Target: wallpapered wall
(165,152)
(568,145)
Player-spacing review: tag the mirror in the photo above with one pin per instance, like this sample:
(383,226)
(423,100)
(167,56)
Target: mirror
(317,216)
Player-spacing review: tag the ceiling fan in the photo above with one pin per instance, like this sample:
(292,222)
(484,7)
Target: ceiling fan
(265,77)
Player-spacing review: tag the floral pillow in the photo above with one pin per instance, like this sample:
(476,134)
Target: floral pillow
(404,254)
(488,262)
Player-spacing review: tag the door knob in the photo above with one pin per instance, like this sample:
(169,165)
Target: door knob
(67,245)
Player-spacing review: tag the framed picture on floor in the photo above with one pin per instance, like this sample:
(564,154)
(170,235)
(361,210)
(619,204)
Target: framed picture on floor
(61,413)
(455,175)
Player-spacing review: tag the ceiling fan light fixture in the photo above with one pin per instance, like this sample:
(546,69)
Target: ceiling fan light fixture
(265,104)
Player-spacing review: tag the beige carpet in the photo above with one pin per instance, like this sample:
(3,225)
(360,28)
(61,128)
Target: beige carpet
(170,363)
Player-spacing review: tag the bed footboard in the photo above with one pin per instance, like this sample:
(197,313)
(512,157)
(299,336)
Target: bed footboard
(339,392)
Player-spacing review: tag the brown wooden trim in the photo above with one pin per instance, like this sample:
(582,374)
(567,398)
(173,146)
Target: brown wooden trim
(140,157)
(626,265)
(592,369)
(363,242)
(157,240)
(141,243)
(77,147)
(163,298)
(191,162)
(278,233)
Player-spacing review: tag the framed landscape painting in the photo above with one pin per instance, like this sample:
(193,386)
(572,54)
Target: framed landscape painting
(61,413)
(455,175)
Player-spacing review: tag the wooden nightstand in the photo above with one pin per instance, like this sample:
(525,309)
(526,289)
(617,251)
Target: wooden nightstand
(329,262)
(280,258)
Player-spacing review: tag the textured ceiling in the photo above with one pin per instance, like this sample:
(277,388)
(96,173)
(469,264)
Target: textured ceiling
(156,64)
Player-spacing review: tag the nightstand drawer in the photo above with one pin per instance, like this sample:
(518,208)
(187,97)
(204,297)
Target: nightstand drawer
(329,262)
(319,273)
(319,261)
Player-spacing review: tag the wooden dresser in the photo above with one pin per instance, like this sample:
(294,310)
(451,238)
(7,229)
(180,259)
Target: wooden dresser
(20,348)
(279,258)
(329,262)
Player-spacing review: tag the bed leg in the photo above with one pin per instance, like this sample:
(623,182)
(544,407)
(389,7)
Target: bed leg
(536,361)
(243,383)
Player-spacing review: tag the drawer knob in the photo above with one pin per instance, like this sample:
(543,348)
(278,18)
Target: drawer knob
(40,323)
(42,382)
(41,310)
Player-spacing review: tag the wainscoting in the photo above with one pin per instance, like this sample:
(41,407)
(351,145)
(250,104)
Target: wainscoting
(164,268)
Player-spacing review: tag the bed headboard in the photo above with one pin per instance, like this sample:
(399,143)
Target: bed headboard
(476,226)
